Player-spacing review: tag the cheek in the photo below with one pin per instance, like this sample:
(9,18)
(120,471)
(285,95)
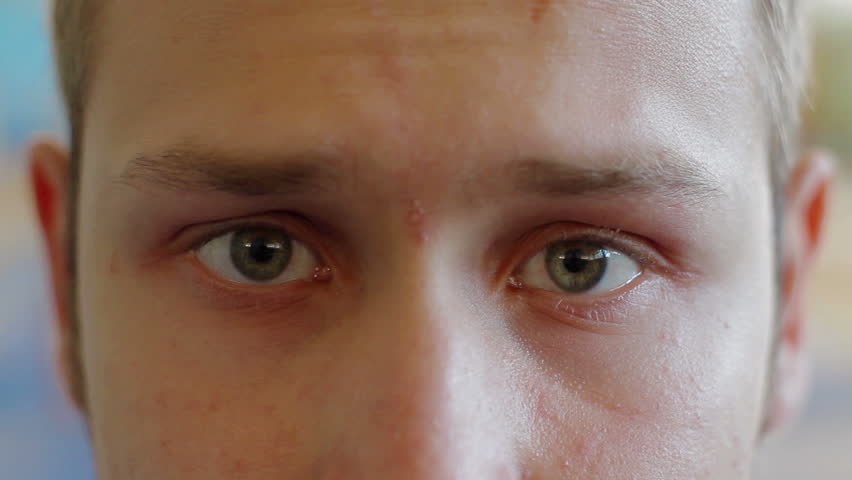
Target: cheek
(175,393)
(194,410)
(680,399)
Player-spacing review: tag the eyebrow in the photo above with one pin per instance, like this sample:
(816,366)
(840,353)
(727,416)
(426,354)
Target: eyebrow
(668,174)
(249,174)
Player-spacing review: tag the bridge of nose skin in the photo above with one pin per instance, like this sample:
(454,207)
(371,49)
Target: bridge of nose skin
(427,385)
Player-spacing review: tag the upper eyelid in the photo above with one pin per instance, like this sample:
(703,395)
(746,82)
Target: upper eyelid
(210,236)
(610,238)
(190,238)
(324,242)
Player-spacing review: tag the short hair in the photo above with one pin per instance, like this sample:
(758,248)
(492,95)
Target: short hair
(782,72)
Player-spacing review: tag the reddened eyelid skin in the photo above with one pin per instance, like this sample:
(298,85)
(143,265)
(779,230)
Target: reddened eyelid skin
(223,295)
(609,316)
(179,255)
(609,312)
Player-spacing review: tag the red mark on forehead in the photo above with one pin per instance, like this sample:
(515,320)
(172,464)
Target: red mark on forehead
(538,8)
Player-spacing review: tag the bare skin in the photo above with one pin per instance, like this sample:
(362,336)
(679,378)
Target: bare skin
(425,154)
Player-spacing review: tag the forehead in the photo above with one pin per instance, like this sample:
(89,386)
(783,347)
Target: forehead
(387,78)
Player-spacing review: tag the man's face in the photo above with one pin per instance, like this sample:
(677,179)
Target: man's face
(338,239)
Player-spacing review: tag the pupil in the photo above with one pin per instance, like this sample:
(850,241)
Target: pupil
(262,251)
(574,262)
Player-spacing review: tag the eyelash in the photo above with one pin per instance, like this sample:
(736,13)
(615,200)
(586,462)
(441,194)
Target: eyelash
(190,239)
(592,313)
(537,240)
(301,229)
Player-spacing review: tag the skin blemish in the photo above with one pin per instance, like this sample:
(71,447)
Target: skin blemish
(416,221)
(538,8)
(322,274)
(238,467)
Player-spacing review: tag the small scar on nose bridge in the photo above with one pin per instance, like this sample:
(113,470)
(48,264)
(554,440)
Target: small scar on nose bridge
(416,221)
(538,8)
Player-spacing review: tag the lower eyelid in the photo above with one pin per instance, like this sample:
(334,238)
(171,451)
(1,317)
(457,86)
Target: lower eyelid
(222,294)
(600,316)
(229,299)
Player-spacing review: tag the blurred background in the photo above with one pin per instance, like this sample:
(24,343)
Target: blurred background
(41,438)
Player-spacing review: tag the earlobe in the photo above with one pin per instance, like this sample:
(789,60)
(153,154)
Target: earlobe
(49,178)
(806,201)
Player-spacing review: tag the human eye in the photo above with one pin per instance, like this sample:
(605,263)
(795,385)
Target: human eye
(258,255)
(579,266)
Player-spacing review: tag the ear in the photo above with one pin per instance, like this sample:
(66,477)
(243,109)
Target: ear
(49,177)
(806,201)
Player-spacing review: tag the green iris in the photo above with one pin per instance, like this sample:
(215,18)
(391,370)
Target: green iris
(576,267)
(261,254)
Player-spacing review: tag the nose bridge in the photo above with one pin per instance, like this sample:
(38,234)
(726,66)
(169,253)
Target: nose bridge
(426,412)
(415,313)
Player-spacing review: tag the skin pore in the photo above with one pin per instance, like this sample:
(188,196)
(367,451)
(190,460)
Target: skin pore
(422,160)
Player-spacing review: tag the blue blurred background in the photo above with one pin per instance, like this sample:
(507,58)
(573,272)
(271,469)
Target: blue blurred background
(42,438)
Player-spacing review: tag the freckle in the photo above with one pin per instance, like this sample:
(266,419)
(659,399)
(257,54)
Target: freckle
(114,263)
(538,8)
(239,466)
